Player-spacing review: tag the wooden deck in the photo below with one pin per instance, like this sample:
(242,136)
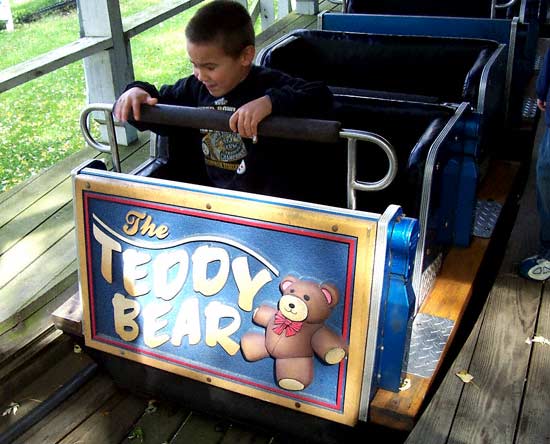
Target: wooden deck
(507,400)
(505,403)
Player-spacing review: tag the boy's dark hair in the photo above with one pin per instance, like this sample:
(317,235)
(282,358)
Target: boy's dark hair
(224,22)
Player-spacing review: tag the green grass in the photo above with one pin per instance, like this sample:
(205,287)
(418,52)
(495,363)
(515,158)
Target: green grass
(39,119)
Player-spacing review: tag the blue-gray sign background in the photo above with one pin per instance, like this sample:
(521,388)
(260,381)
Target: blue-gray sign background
(304,255)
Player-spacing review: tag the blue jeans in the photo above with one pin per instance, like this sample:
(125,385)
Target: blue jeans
(543,193)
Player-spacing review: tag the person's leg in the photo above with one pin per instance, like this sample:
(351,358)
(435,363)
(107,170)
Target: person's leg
(538,267)
(543,194)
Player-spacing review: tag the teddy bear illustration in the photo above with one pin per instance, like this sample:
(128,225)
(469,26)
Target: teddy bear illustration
(296,331)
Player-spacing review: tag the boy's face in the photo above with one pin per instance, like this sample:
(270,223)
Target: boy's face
(219,72)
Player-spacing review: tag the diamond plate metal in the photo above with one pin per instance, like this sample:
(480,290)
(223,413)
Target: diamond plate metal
(428,338)
(428,279)
(486,217)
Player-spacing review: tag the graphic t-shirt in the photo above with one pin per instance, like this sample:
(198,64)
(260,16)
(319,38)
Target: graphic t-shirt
(222,149)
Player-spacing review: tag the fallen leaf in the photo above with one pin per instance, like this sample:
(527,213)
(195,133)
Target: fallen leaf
(406,385)
(12,409)
(151,406)
(464,376)
(539,339)
(136,433)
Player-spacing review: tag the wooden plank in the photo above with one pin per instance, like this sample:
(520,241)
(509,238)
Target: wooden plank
(52,60)
(448,299)
(111,423)
(31,280)
(19,342)
(23,373)
(399,410)
(160,425)
(289,23)
(16,199)
(154,15)
(436,420)
(200,429)
(532,427)
(35,244)
(34,384)
(240,435)
(20,197)
(499,365)
(27,221)
(71,413)
(43,264)
(68,317)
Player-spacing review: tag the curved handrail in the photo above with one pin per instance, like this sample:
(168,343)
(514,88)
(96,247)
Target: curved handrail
(311,130)
(112,147)
(353,184)
(505,5)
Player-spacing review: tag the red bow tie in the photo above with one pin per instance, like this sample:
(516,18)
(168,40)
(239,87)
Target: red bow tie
(284,324)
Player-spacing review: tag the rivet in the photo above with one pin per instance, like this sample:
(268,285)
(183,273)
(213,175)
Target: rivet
(297,405)
(335,228)
(208,206)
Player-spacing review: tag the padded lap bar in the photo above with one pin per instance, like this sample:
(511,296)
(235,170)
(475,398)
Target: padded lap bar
(311,130)
(448,69)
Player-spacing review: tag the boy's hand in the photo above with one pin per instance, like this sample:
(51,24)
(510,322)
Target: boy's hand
(130,103)
(541,104)
(246,119)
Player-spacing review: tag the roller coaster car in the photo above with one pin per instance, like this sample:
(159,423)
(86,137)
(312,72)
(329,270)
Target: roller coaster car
(166,261)
(518,29)
(528,10)
(406,68)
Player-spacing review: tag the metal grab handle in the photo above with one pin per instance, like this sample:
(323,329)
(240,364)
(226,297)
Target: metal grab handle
(504,5)
(112,147)
(353,184)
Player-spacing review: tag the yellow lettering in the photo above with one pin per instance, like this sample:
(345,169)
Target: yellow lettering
(125,312)
(201,258)
(152,324)
(132,260)
(148,227)
(248,287)
(214,312)
(187,323)
(166,287)
(132,222)
(133,226)
(162,231)
(108,245)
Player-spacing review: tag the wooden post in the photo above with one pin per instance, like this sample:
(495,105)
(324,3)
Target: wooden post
(309,7)
(107,72)
(5,15)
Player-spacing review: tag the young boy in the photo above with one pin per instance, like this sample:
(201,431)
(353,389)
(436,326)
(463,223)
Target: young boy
(220,44)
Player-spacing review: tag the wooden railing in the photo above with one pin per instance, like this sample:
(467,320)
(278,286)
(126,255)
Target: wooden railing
(104,44)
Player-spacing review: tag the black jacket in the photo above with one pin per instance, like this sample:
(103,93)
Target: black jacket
(230,161)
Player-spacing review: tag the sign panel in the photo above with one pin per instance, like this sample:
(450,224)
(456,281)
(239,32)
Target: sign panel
(265,297)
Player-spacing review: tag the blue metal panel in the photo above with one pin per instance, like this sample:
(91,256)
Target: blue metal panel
(493,29)
(464,216)
(397,309)
(448,202)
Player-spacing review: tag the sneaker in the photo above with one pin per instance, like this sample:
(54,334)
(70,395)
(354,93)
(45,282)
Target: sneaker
(535,267)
